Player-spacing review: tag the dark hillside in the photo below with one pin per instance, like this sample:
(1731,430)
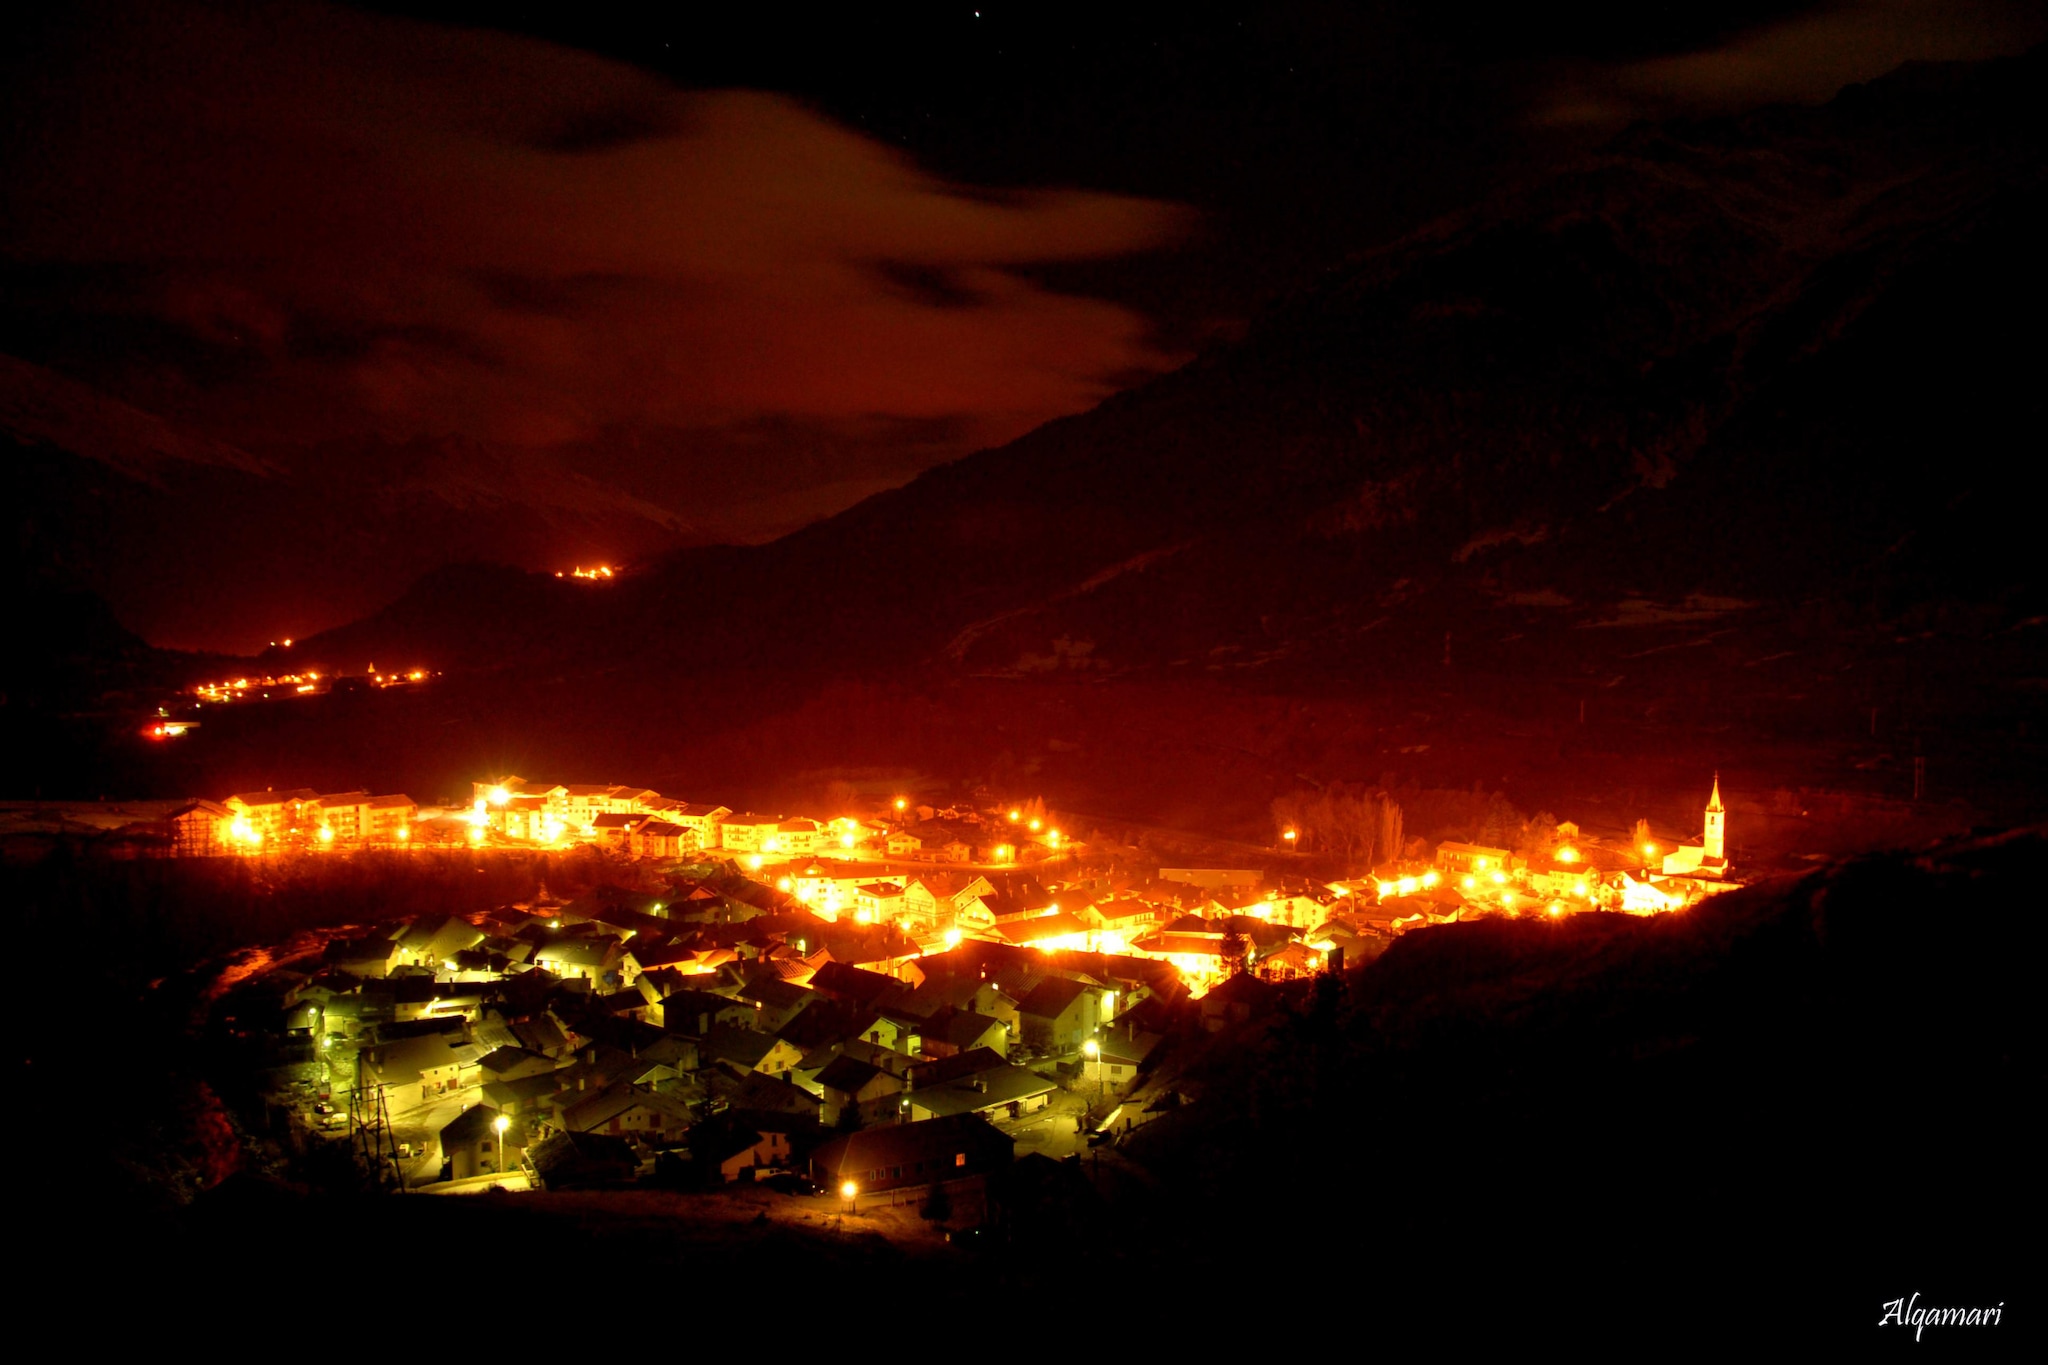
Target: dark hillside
(1814,1085)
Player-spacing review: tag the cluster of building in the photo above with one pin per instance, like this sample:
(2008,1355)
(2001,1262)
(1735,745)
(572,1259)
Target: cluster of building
(645,823)
(1566,873)
(876,1030)
(265,821)
(715,1035)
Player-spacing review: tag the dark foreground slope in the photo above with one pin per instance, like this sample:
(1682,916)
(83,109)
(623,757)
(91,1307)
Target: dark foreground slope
(1784,1106)
(1769,1115)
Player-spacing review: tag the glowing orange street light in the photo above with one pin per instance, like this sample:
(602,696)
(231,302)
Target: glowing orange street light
(1649,850)
(326,834)
(1015,815)
(847,1191)
(1288,835)
(1567,855)
(901,804)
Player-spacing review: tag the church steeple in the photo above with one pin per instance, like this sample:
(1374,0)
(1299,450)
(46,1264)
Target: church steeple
(1717,825)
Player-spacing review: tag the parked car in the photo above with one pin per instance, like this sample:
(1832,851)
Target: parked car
(789,1182)
(323,1109)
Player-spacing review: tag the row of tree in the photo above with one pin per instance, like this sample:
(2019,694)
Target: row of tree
(1351,820)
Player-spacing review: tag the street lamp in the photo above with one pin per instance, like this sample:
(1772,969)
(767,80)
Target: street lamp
(847,1191)
(1094,1051)
(501,1123)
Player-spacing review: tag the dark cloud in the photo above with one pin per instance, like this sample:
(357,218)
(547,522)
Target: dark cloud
(1803,57)
(356,223)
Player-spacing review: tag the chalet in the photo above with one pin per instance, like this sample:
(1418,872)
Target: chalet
(889,1029)
(588,959)
(854,985)
(432,941)
(698,1012)
(270,814)
(877,902)
(543,1035)
(1120,1052)
(964,991)
(526,819)
(746,832)
(777,1001)
(1057,930)
(436,1063)
(471,1145)
(744,1050)
(951,1031)
(1241,998)
(526,1095)
(513,1065)
(654,838)
(367,957)
(200,829)
(1057,1014)
(899,1163)
(995,1093)
(902,843)
(581,1161)
(1213,878)
(761,1094)
(389,819)
(641,958)
(796,838)
(339,816)
(739,1151)
(1456,859)
(848,1081)
(701,820)
(936,898)
(626,1110)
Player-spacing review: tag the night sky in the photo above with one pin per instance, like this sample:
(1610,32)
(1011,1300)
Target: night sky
(647,283)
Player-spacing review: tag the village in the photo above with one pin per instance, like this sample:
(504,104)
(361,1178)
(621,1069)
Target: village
(878,1010)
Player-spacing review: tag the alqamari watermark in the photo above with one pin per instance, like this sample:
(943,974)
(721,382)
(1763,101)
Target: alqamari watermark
(1909,1313)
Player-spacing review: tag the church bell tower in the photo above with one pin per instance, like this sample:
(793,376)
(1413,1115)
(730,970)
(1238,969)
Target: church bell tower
(1717,825)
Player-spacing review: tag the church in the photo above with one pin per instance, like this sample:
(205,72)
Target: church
(1707,859)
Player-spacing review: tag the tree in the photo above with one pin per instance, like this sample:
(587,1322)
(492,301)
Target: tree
(849,1120)
(1360,823)
(1236,947)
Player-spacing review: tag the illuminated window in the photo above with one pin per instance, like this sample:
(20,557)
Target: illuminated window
(960,1159)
